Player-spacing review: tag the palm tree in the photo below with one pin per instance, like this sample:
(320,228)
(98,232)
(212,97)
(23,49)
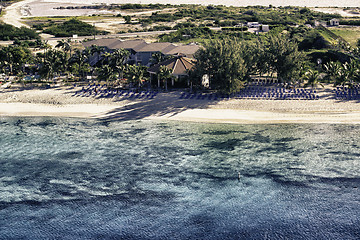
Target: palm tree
(65,45)
(352,71)
(105,73)
(52,64)
(97,50)
(105,60)
(119,56)
(312,78)
(343,74)
(45,45)
(79,61)
(118,59)
(156,58)
(333,70)
(7,59)
(135,74)
(164,75)
(356,52)
(46,70)
(13,58)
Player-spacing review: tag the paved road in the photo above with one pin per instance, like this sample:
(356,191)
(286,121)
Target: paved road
(53,40)
(122,35)
(13,16)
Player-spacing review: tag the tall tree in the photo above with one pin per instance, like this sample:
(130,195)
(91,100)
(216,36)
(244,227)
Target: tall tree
(283,56)
(164,75)
(254,57)
(223,63)
(53,63)
(13,58)
(118,60)
(135,74)
(105,73)
(156,58)
(79,63)
(97,50)
(65,45)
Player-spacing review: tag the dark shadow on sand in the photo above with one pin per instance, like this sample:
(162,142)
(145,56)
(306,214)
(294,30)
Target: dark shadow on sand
(162,104)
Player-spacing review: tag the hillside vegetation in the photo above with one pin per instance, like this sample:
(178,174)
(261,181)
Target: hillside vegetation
(72,27)
(9,32)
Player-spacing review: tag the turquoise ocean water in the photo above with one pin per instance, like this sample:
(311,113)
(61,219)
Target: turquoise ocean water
(64,178)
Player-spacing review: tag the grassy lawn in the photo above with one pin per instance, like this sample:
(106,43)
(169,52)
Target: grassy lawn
(326,35)
(351,34)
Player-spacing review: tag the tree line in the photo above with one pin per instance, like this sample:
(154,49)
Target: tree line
(72,64)
(230,63)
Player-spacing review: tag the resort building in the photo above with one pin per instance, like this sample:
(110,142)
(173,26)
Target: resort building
(320,23)
(334,22)
(253,25)
(264,28)
(256,27)
(141,51)
(179,67)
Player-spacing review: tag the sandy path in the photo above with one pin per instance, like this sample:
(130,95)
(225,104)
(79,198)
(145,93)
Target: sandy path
(340,11)
(13,13)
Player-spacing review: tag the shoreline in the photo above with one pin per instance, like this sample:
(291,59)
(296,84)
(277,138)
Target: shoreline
(61,102)
(232,116)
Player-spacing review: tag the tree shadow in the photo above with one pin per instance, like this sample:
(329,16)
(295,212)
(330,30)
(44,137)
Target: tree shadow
(162,104)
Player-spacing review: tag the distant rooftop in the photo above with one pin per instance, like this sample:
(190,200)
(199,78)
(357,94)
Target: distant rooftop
(104,42)
(142,46)
(129,44)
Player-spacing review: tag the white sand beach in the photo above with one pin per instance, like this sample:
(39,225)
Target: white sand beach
(60,102)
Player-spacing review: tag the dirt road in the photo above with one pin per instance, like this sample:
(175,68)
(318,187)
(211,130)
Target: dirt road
(15,12)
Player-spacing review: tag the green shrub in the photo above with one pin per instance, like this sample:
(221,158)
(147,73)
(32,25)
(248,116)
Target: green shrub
(234,28)
(73,27)
(160,28)
(8,32)
(350,22)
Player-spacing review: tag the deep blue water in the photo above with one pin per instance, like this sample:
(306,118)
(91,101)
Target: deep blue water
(87,179)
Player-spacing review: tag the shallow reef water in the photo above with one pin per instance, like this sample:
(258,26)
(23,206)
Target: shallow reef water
(64,178)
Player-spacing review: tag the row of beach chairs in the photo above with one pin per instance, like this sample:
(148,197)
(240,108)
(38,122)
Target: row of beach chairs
(277,93)
(345,93)
(266,82)
(101,91)
(258,93)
